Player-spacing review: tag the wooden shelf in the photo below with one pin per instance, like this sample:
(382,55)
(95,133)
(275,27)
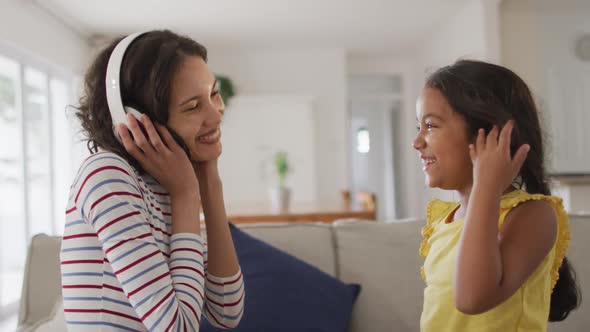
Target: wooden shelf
(320,216)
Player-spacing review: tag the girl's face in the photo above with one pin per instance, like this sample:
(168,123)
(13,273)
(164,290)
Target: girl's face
(442,142)
(196,109)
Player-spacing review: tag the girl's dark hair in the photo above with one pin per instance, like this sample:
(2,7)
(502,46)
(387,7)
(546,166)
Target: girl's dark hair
(148,68)
(485,95)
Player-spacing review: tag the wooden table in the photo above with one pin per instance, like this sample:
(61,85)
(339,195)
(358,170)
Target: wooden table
(307,213)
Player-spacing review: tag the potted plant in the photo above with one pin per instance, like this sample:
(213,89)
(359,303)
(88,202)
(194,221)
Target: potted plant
(281,195)
(226,88)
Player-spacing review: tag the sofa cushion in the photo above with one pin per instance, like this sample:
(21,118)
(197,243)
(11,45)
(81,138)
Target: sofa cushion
(42,279)
(383,258)
(310,242)
(56,321)
(284,293)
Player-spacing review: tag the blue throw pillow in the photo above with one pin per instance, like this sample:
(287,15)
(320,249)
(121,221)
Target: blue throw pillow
(284,293)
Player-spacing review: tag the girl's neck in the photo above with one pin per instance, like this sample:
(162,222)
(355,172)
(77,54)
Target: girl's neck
(464,195)
(463,201)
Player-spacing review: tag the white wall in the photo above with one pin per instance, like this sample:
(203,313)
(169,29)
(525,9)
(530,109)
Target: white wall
(534,39)
(320,74)
(564,91)
(405,66)
(538,42)
(472,32)
(29,30)
(254,130)
(468,34)
(373,170)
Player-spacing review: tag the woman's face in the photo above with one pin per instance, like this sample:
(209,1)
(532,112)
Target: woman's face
(196,109)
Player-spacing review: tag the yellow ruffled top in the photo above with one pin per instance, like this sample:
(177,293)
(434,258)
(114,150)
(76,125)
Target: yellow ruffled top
(526,310)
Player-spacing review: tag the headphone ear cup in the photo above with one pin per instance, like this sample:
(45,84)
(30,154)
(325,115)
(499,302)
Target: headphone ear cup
(137,114)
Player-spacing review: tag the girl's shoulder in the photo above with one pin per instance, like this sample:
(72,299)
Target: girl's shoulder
(517,197)
(437,210)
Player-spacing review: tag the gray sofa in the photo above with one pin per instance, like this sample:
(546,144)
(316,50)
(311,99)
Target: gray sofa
(382,257)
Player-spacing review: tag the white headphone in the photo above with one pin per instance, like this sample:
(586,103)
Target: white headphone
(113,86)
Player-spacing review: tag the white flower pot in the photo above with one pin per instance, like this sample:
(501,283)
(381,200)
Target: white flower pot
(280,198)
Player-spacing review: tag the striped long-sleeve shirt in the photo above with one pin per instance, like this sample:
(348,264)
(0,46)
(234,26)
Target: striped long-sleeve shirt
(122,269)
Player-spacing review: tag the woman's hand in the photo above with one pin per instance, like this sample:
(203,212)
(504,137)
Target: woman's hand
(493,166)
(205,171)
(159,155)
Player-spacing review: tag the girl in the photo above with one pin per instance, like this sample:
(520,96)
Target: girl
(495,260)
(132,256)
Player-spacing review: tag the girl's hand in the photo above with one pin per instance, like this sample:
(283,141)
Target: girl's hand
(163,159)
(493,166)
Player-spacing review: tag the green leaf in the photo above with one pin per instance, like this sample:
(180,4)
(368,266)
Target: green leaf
(282,166)
(226,88)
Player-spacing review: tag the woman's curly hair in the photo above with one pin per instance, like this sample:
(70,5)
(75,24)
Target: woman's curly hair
(147,70)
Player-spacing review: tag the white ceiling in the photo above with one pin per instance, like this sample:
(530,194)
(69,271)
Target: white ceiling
(358,25)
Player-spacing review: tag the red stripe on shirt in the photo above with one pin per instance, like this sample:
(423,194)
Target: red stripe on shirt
(114,193)
(193,288)
(193,310)
(125,216)
(160,230)
(79,236)
(83,261)
(231,304)
(182,267)
(149,312)
(98,170)
(137,261)
(113,288)
(225,283)
(215,318)
(186,249)
(81,286)
(127,240)
(172,321)
(148,283)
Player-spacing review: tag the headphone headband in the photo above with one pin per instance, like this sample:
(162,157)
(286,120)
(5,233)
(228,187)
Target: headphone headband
(113,81)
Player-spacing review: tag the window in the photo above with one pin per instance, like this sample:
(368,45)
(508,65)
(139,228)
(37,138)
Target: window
(35,163)
(363,141)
